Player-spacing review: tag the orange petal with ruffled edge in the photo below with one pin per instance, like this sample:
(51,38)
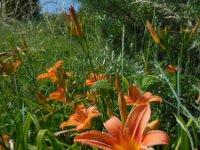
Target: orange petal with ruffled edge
(114,127)
(92,112)
(133,95)
(149,97)
(155,137)
(95,138)
(58,64)
(92,79)
(51,75)
(137,121)
(52,72)
(155,99)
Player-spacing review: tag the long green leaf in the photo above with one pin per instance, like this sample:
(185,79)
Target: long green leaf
(26,128)
(43,135)
(182,124)
(35,121)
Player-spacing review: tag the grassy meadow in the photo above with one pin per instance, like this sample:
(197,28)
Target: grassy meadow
(64,84)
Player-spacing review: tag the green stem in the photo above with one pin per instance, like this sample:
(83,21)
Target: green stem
(178,88)
(122,53)
(86,51)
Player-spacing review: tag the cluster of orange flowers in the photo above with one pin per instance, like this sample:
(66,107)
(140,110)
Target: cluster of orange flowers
(132,132)
(58,75)
(82,117)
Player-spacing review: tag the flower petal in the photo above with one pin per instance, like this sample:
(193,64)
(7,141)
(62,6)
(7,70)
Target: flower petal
(155,137)
(114,126)
(129,100)
(91,109)
(137,121)
(94,114)
(155,99)
(59,95)
(43,76)
(84,125)
(70,122)
(147,95)
(89,82)
(58,64)
(153,125)
(134,92)
(51,75)
(95,138)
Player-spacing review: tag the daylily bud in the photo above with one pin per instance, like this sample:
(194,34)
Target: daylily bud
(154,34)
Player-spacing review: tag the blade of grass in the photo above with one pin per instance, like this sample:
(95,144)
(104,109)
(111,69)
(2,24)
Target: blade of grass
(182,124)
(42,136)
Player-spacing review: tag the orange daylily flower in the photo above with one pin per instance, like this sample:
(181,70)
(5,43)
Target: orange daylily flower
(81,118)
(128,136)
(92,79)
(171,69)
(136,97)
(52,72)
(59,95)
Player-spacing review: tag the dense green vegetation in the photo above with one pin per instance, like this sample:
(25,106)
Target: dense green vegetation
(108,39)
